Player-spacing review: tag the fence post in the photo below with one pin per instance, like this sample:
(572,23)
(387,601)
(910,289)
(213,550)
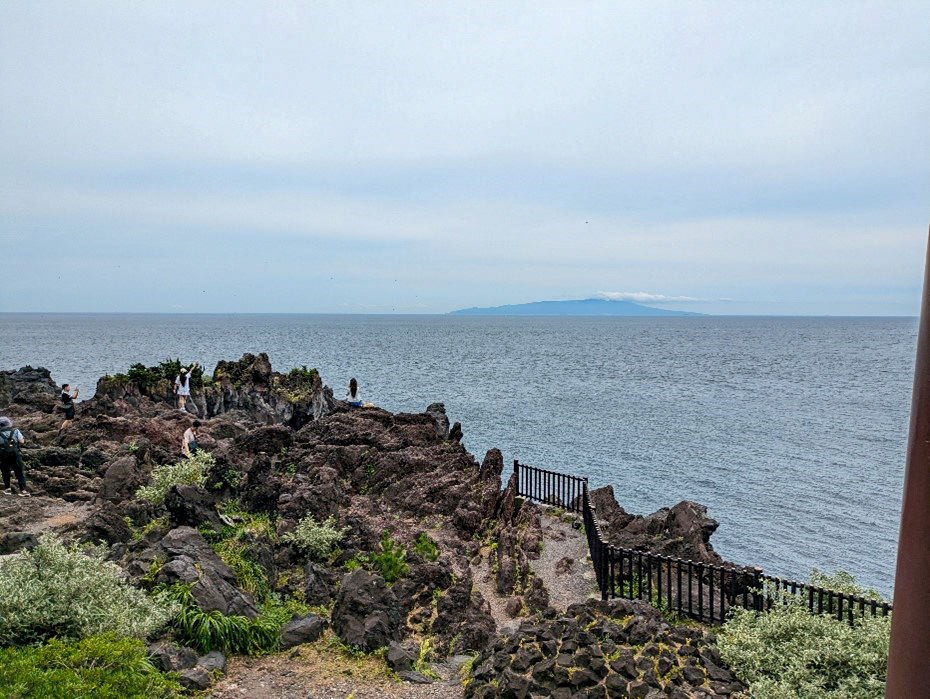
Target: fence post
(757,589)
(516,475)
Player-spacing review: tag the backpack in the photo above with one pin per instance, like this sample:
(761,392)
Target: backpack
(8,445)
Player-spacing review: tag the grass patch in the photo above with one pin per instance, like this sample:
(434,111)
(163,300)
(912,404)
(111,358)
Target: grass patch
(102,667)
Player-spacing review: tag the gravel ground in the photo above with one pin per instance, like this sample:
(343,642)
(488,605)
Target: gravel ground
(567,583)
(317,671)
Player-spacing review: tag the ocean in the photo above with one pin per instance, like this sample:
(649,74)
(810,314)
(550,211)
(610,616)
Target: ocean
(792,431)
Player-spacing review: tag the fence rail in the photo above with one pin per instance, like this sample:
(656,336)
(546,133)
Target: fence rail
(701,591)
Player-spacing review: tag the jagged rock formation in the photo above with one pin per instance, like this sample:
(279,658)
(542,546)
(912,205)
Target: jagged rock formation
(286,450)
(682,531)
(602,649)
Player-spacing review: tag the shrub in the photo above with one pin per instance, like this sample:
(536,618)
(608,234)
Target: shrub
(191,470)
(314,538)
(391,562)
(303,373)
(58,591)
(789,653)
(426,547)
(104,667)
(147,377)
(206,631)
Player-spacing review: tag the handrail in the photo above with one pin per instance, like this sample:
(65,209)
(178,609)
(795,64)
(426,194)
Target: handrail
(699,590)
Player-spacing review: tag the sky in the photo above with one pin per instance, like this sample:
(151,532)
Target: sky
(418,157)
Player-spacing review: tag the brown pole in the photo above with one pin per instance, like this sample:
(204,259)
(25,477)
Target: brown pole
(909,659)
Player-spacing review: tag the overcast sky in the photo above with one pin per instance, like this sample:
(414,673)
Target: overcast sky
(424,156)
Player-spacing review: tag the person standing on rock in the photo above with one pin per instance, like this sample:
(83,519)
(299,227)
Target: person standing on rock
(182,386)
(11,457)
(189,445)
(67,405)
(353,397)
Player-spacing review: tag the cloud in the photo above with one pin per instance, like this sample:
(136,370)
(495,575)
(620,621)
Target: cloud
(644,297)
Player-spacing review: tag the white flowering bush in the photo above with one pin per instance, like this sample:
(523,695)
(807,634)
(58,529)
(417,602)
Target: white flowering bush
(57,591)
(191,470)
(316,539)
(790,653)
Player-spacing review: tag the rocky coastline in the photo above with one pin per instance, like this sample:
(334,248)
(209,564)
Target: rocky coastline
(283,449)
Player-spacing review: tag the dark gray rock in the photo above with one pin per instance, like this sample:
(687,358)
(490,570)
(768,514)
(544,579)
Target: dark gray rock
(121,480)
(213,662)
(414,677)
(192,506)
(29,388)
(190,559)
(13,542)
(196,678)
(366,613)
(108,526)
(437,411)
(401,656)
(303,630)
(170,657)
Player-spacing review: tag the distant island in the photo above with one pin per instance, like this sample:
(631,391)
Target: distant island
(580,307)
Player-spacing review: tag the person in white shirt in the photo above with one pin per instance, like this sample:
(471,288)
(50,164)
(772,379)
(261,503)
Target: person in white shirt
(353,397)
(182,385)
(189,443)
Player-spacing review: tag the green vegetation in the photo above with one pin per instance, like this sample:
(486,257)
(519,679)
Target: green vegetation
(234,545)
(103,667)
(191,470)
(206,631)
(391,561)
(425,547)
(54,590)
(303,373)
(315,539)
(789,653)
(147,377)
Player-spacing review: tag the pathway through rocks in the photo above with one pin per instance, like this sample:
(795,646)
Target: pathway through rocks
(563,565)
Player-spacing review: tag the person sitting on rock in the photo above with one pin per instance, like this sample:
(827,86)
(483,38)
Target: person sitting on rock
(182,385)
(189,445)
(353,397)
(67,404)
(11,457)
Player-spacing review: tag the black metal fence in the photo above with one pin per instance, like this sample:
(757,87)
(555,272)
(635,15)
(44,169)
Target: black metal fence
(549,487)
(698,590)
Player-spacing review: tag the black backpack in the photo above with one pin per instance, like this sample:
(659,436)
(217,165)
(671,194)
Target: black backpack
(8,445)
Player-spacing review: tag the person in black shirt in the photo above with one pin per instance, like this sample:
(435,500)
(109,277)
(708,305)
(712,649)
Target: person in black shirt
(67,404)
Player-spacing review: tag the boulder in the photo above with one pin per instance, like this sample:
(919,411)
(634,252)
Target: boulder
(437,411)
(192,506)
(168,656)
(196,678)
(366,614)
(305,629)
(121,480)
(213,662)
(190,559)
(108,526)
(14,542)
(32,389)
(401,656)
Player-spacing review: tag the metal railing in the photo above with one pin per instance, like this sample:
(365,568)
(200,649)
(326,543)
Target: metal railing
(698,590)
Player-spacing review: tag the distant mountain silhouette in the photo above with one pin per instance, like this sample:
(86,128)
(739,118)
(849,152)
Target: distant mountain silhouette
(581,307)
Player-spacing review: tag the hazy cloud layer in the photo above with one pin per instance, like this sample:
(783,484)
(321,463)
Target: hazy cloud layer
(424,157)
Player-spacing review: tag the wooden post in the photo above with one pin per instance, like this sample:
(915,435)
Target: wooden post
(909,659)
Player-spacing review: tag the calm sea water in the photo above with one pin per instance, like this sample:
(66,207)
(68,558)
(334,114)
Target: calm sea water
(791,430)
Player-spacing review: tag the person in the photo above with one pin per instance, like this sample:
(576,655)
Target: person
(11,457)
(353,396)
(189,445)
(182,385)
(67,404)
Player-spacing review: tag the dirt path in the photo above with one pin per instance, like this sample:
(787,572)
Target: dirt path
(563,564)
(321,671)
